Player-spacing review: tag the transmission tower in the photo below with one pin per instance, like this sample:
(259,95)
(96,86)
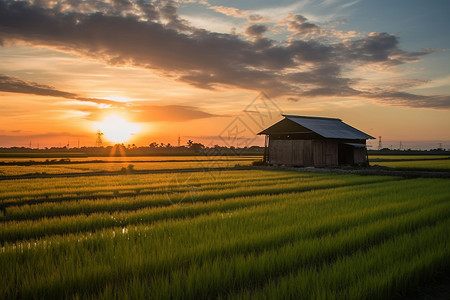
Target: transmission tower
(99,140)
(380,146)
(179,141)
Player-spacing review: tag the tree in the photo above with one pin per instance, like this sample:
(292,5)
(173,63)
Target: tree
(197,147)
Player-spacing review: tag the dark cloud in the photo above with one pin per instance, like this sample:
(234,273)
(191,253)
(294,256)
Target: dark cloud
(256,30)
(407,99)
(122,4)
(256,18)
(325,81)
(152,113)
(152,35)
(15,85)
(170,113)
(149,10)
(168,11)
(377,48)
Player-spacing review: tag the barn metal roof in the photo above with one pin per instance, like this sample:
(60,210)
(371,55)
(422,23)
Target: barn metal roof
(329,127)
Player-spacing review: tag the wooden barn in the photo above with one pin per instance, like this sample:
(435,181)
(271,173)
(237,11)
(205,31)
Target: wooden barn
(313,141)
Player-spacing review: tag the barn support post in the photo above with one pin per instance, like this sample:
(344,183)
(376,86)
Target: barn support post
(266,149)
(367,157)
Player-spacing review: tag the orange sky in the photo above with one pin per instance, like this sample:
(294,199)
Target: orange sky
(58,86)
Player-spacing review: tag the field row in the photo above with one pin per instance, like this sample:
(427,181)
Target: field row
(61,187)
(131,164)
(34,221)
(176,192)
(406,157)
(438,165)
(12,170)
(243,234)
(131,159)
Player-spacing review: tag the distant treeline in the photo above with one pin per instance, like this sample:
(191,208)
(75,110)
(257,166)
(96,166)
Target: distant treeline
(130,150)
(155,149)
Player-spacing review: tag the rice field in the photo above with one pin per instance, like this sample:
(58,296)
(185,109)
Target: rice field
(438,164)
(115,164)
(412,162)
(235,234)
(406,157)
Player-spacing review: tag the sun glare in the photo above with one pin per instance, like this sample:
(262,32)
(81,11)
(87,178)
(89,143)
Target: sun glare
(116,129)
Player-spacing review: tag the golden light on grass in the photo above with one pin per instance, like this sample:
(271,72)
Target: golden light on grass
(116,129)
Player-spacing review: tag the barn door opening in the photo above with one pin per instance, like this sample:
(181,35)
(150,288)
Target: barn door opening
(345,154)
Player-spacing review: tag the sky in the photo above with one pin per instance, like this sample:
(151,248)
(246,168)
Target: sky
(219,72)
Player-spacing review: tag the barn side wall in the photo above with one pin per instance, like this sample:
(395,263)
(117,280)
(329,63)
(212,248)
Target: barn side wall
(325,153)
(304,153)
(359,155)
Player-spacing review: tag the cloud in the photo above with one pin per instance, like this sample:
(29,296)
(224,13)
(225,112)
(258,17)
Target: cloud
(256,30)
(151,35)
(171,113)
(139,113)
(301,28)
(227,10)
(230,11)
(11,84)
(299,24)
(257,18)
(152,113)
(379,48)
(400,98)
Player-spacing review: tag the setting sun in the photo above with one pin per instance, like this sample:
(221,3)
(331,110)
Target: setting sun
(116,129)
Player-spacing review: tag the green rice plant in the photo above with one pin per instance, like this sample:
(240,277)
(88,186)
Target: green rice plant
(24,212)
(245,235)
(380,272)
(10,170)
(438,165)
(406,157)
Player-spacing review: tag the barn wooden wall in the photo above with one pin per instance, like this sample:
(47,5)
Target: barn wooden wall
(359,155)
(325,153)
(303,152)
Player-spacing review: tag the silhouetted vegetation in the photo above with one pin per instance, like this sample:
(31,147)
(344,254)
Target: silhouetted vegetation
(153,149)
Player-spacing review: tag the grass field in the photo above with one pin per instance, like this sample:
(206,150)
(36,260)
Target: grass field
(108,164)
(413,162)
(406,157)
(443,164)
(235,234)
